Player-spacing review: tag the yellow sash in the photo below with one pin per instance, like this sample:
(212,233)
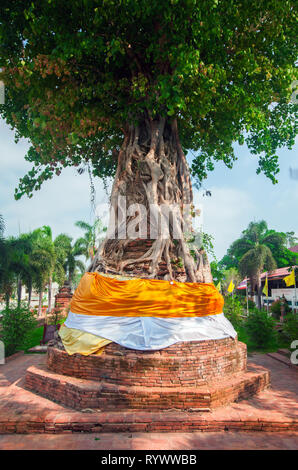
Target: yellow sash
(80,342)
(100,295)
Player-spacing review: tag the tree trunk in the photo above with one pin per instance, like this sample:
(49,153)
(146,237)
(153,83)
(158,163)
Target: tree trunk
(39,302)
(259,290)
(153,175)
(19,292)
(49,295)
(251,286)
(29,295)
(8,289)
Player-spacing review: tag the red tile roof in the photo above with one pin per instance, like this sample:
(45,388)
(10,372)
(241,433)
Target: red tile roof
(279,272)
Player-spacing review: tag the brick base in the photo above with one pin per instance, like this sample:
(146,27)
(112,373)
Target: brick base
(81,393)
(183,364)
(121,422)
(197,375)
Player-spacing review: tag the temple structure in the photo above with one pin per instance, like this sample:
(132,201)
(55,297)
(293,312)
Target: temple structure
(63,297)
(146,344)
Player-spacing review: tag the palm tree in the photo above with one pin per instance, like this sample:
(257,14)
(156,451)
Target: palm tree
(69,254)
(41,258)
(43,262)
(30,259)
(2,252)
(255,254)
(18,251)
(49,245)
(7,275)
(90,239)
(15,268)
(25,271)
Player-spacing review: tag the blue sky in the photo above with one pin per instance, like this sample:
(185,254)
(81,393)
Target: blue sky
(238,196)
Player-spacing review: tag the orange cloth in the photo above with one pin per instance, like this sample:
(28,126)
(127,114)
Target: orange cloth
(103,296)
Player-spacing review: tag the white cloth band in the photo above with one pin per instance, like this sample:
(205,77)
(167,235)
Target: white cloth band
(149,333)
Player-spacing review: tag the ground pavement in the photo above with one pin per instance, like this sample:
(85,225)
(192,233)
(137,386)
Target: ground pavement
(28,421)
(222,440)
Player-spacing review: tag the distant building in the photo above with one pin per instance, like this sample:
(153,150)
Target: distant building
(276,287)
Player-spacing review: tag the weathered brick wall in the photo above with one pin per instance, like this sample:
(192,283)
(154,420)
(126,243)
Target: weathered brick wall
(64,296)
(197,375)
(81,394)
(183,364)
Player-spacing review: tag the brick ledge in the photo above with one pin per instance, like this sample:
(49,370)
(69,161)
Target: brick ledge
(71,422)
(81,393)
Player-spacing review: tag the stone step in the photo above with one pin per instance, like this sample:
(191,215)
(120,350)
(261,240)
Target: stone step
(284,352)
(82,393)
(68,421)
(39,349)
(283,359)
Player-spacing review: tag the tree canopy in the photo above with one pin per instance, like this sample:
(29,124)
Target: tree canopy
(77,73)
(69,254)
(257,234)
(89,241)
(34,259)
(258,249)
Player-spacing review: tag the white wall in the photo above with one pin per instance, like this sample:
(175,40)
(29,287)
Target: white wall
(288,293)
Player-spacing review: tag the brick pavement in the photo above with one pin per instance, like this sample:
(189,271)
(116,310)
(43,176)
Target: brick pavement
(21,411)
(221,440)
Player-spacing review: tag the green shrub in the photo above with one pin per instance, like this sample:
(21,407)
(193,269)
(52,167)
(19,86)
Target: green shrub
(17,325)
(275,309)
(233,311)
(245,303)
(56,316)
(251,304)
(260,328)
(290,327)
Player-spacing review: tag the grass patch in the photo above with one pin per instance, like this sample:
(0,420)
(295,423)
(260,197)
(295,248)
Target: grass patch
(36,335)
(34,338)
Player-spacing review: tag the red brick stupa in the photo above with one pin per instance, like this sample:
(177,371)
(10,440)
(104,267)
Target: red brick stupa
(153,363)
(64,296)
(193,375)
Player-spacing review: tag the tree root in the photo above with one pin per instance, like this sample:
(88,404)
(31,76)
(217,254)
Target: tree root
(152,169)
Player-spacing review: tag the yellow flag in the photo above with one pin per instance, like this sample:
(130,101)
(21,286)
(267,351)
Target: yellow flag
(265,289)
(231,286)
(218,287)
(290,279)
